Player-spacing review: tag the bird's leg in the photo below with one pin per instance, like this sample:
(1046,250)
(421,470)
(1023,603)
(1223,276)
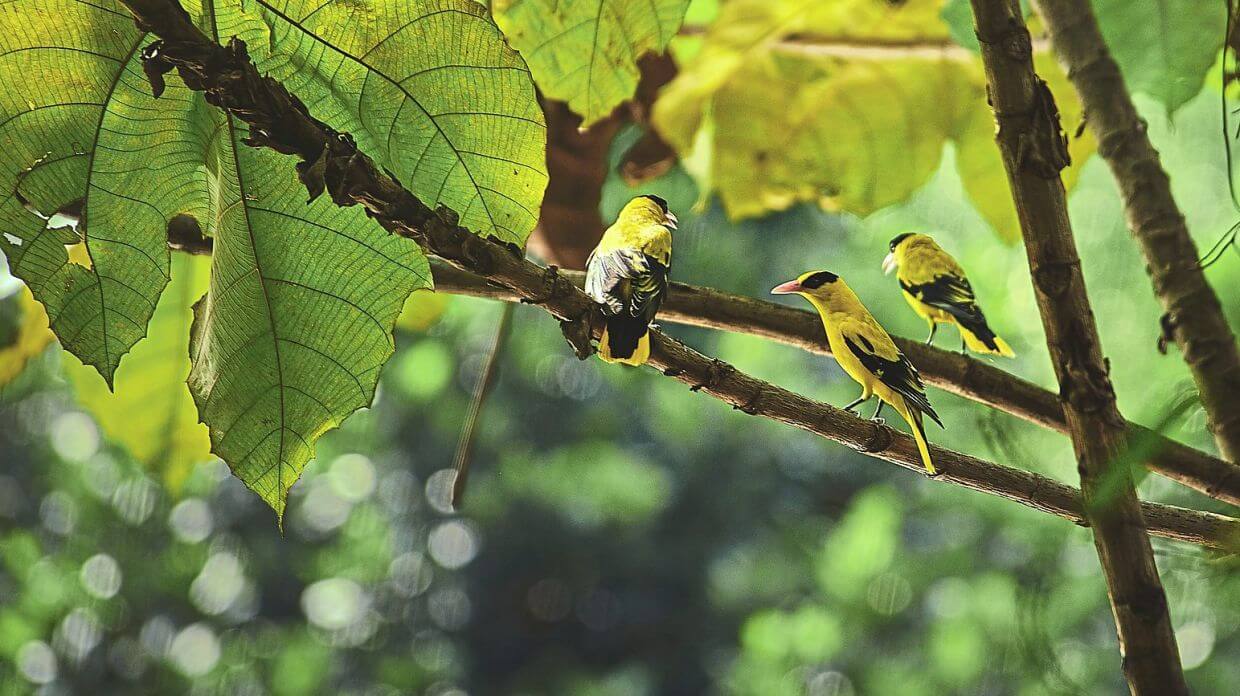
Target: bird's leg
(852,407)
(877,411)
(934,326)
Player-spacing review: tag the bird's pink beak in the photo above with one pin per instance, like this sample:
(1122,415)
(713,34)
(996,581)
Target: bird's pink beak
(792,286)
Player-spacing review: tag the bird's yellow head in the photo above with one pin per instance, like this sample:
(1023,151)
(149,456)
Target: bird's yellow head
(899,247)
(649,209)
(820,284)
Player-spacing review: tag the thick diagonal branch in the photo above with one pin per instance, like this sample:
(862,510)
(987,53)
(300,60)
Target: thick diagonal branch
(1193,313)
(953,372)
(1034,150)
(280,121)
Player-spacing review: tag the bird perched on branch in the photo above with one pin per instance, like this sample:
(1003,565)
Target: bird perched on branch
(627,275)
(936,288)
(866,353)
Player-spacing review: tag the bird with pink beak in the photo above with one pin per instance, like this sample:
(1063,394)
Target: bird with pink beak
(866,353)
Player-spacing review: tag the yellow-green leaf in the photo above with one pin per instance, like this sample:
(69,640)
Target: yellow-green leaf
(769,122)
(427,87)
(150,413)
(298,320)
(27,336)
(585,52)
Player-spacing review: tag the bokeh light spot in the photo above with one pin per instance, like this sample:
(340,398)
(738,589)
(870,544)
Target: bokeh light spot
(353,477)
(452,544)
(37,662)
(334,604)
(75,437)
(191,520)
(101,576)
(195,650)
(1196,641)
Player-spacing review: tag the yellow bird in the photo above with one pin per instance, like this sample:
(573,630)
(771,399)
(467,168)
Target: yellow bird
(936,288)
(866,353)
(627,275)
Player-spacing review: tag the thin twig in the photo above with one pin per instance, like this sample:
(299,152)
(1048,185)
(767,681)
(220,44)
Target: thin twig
(482,388)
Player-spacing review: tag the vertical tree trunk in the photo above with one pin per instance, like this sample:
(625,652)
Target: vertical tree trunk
(1034,150)
(1194,315)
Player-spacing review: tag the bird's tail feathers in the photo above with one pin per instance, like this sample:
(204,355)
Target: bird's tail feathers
(620,350)
(914,419)
(979,338)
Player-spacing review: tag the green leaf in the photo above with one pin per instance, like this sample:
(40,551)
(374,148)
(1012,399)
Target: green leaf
(167,438)
(291,336)
(297,323)
(861,137)
(585,52)
(69,70)
(1163,47)
(427,88)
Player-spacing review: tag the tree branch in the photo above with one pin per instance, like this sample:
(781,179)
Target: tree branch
(1193,312)
(229,80)
(1034,150)
(950,371)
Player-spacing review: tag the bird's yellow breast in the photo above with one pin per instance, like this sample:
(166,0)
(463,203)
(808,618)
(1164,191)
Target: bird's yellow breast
(857,322)
(925,311)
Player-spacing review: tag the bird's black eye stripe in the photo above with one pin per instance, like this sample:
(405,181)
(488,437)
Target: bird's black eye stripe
(819,279)
(900,238)
(659,201)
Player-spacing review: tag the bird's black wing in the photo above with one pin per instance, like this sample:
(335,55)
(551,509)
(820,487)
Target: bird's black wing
(627,281)
(899,374)
(949,293)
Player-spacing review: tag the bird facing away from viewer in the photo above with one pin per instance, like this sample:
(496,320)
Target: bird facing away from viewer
(937,289)
(627,275)
(866,353)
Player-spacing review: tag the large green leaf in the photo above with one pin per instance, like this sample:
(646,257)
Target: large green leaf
(1164,47)
(297,323)
(427,87)
(166,437)
(767,123)
(585,52)
(66,120)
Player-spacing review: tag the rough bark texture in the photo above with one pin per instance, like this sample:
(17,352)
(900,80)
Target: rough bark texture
(1034,150)
(569,224)
(1193,312)
(229,80)
(947,370)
